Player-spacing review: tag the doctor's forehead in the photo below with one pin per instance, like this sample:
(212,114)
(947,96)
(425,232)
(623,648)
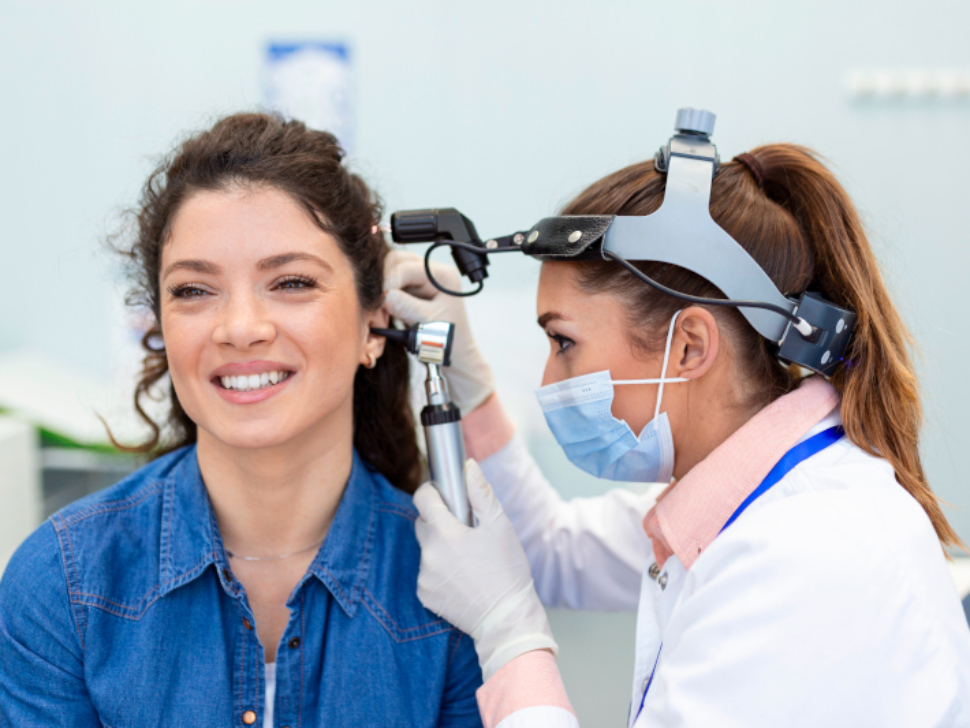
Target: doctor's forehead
(562,298)
(559,292)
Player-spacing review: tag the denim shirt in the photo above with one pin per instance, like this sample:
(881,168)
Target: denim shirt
(122,610)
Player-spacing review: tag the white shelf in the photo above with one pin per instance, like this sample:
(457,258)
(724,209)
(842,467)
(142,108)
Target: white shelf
(914,85)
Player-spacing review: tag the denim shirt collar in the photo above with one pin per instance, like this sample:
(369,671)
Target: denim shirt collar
(191,541)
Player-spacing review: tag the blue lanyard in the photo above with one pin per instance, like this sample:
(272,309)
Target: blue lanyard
(802,451)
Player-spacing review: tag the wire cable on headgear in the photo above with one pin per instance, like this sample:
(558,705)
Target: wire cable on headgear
(681,232)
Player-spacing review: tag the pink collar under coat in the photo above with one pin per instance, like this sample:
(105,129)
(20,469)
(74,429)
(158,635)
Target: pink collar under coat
(691,512)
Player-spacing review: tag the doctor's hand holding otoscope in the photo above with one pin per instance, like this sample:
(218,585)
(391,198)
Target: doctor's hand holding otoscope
(789,449)
(503,615)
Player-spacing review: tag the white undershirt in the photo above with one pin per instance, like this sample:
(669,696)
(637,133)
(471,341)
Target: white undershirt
(270,694)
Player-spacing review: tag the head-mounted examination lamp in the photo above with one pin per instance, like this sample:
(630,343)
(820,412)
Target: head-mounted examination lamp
(808,330)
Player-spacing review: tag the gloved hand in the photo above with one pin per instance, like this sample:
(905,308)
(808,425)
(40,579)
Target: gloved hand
(478,578)
(412,299)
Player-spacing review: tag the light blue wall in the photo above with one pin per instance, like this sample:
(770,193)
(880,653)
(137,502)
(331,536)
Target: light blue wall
(502,109)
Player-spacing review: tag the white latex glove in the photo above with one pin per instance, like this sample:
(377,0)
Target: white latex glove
(412,299)
(478,578)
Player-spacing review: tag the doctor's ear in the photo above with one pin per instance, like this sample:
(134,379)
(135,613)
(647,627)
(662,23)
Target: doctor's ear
(695,344)
(373,347)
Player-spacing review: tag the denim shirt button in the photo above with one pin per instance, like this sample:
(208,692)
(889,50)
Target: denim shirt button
(249,717)
(294,643)
(247,624)
(227,575)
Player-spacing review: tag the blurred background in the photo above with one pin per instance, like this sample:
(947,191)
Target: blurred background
(503,110)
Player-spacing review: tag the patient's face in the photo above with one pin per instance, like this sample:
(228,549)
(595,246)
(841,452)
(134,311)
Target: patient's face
(261,321)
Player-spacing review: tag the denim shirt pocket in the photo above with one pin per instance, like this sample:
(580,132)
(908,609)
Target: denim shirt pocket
(412,628)
(391,594)
(105,568)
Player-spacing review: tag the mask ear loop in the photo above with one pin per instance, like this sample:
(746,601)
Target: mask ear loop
(663,370)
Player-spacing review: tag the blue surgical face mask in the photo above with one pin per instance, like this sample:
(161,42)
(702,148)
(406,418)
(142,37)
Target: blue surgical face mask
(579,413)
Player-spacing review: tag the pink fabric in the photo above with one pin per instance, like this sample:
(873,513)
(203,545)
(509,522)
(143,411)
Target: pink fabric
(486,429)
(530,680)
(690,513)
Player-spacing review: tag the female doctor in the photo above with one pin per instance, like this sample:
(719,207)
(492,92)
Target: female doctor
(793,571)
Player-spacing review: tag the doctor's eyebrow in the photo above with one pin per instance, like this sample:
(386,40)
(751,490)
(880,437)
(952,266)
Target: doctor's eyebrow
(549,316)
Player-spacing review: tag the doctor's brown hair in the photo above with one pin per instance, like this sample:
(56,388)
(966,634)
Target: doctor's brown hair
(264,150)
(787,210)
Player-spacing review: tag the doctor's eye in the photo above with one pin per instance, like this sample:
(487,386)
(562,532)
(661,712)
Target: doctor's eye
(564,342)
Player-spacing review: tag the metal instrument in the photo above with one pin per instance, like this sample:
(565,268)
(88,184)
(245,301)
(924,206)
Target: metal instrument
(431,343)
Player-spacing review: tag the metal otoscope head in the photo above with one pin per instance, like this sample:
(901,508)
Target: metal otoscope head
(430,342)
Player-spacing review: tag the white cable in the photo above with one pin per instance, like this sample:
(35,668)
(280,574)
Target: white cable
(804,328)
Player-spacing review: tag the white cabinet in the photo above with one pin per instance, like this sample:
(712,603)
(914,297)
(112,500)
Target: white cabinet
(20,493)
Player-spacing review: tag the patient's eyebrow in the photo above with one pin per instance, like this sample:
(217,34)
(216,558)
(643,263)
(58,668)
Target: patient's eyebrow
(549,316)
(275,261)
(196,266)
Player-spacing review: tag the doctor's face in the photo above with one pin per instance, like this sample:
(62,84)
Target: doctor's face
(261,321)
(588,333)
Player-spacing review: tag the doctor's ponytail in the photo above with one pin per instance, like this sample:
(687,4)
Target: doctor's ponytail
(787,210)
(881,410)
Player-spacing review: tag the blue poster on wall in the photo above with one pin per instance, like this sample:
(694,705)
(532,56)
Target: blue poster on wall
(312,81)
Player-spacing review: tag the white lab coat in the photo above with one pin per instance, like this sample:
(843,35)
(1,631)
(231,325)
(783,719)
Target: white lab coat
(827,603)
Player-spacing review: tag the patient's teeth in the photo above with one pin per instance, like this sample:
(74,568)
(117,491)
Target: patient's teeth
(246,383)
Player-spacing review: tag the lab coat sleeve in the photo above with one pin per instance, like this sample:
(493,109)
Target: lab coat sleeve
(41,657)
(586,553)
(780,624)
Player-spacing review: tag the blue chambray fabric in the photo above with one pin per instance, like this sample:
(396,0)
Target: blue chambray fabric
(121,610)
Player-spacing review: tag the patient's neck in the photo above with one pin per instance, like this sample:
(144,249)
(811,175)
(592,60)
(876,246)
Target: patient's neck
(277,500)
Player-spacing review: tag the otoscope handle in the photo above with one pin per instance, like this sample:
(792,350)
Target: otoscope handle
(446,446)
(446,457)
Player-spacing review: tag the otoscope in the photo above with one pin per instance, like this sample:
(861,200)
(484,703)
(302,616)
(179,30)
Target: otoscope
(431,343)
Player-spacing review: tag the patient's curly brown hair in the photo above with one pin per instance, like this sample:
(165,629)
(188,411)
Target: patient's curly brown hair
(266,150)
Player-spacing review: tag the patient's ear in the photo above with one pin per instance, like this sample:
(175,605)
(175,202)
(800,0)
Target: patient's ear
(373,347)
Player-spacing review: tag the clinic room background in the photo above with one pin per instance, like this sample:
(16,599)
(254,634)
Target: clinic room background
(503,110)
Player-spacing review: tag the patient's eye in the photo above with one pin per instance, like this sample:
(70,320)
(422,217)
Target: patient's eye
(295,283)
(187,290)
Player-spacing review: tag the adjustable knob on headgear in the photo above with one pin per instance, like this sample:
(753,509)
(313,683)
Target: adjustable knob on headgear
(695,121)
